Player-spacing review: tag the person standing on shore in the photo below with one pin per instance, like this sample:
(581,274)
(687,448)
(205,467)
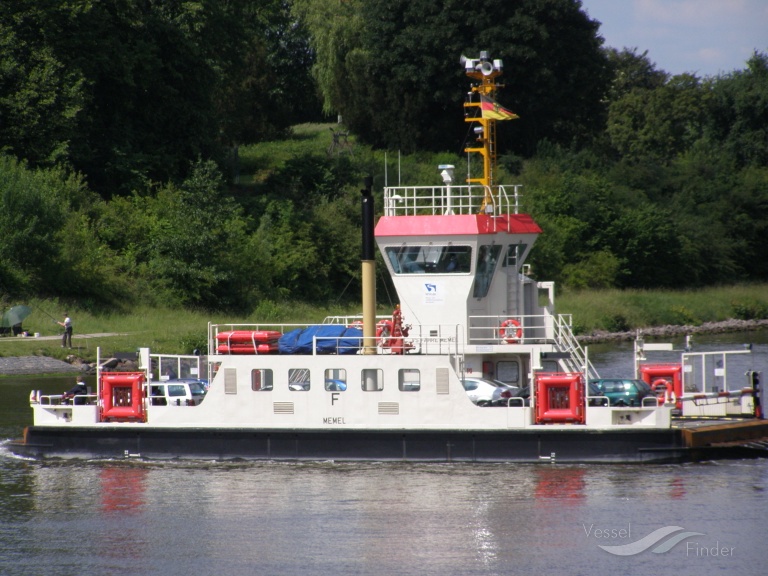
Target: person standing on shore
(66,339)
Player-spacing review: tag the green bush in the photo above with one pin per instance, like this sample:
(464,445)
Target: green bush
(616,323)
(680,315)
(750,310)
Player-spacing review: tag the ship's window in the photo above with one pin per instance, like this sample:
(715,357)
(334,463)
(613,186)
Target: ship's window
(514,255)
(550,366)
(430,259)
(488,256)
(508,371)
(169,368)
(336,380)
(372,379)
(298,379)
(409,380)
(261,380)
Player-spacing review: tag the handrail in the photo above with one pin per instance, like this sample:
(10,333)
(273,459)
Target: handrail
(567,342)
(63,400)
(446,200)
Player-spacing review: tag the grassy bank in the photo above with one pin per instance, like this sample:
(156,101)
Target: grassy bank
(622,310)
(181,331)
(161,329)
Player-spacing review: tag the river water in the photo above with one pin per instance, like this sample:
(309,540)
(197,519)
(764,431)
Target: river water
(63,518)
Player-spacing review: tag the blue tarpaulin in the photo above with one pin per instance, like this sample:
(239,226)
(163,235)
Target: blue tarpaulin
(332,339)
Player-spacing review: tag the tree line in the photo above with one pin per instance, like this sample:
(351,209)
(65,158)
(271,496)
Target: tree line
(125,127)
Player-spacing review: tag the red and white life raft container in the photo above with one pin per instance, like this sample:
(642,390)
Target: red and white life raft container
(248,341)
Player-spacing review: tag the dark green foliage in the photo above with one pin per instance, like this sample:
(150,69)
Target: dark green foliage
(119,121)
(657,125)
(309,224)
(750,310)
(31,215)
(48,245)
(401,62)
(40,96)
(616,323)
(129,92)
(198,248)
(739,113)
(194,341)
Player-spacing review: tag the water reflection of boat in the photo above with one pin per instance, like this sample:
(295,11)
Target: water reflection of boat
(368,388)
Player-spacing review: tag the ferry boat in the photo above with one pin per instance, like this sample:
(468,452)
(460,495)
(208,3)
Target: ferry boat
(391,388)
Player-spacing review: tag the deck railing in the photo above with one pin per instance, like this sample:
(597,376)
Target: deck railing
(445,200)
(568,344)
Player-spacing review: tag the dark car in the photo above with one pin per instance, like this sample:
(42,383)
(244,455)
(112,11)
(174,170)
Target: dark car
(621,391)
(595,395)
(503,393)
(518,397)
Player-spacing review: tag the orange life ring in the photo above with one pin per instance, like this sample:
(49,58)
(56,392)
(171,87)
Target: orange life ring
(384,333)
(666,385)
(511,331)
(659,382)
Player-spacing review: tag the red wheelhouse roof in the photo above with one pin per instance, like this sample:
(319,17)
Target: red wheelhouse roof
(458,225)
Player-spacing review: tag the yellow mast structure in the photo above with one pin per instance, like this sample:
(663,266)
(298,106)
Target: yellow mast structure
(485,72)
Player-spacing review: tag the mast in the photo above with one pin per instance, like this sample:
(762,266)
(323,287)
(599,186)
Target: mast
(486,112)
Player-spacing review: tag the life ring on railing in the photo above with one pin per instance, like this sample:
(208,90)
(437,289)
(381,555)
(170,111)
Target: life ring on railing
(384,333)
(511,331)
(666,385)
(356,324)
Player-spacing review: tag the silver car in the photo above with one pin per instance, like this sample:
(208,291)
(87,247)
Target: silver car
(481,390)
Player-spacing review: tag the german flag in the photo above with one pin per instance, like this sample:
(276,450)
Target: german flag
(492,110)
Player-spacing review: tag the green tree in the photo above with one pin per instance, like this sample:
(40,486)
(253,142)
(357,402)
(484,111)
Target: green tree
(739,113)
(31,213)
(632,71)
(309,223)
(401,60)
(129,92)
(41,98)
(197,243)
(48,246)
(658,124)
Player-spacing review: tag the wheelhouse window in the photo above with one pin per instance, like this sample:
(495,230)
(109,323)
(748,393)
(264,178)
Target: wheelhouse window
(487,257)
(336,380)
(429,259)
(372,379)
(514,256)
(261,380)
(409,380)
(298,379)
(508,371)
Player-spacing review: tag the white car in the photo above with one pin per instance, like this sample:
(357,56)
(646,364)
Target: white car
(180,392)
(480,390)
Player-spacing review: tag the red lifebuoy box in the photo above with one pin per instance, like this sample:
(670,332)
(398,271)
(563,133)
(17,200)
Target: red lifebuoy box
(559,398)
(671,373)
(121,397)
